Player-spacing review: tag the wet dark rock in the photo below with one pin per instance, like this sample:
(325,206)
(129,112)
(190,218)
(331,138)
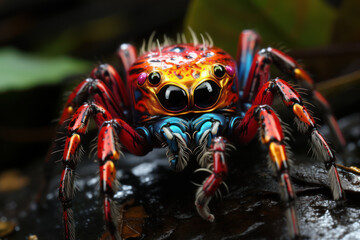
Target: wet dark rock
(162,201)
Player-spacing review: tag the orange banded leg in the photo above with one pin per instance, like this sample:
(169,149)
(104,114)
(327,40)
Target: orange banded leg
(300,75)
(213,182)
(76,128)
(271,134)
(108,152)
(70,158)
(306,124)
(294,70)
(259,74)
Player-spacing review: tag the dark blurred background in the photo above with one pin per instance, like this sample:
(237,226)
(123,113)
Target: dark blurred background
(46,47)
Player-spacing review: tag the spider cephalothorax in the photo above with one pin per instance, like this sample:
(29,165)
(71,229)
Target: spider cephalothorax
(183,78)
(192,98)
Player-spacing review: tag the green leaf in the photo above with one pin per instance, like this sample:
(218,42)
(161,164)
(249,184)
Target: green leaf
(20,71)
(300,23)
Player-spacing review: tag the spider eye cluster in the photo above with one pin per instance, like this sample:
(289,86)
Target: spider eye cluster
(206,94)
(173,98)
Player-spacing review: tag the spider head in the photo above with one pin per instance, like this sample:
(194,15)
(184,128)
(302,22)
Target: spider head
(183,79)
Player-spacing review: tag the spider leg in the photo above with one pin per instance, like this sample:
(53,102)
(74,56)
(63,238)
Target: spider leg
(108,152)
(113,132)
(127,54)
(90,88)
(306,124)
(248,45)
(260,73)
(76,128)
(263,117)
(107,74)
(213,182)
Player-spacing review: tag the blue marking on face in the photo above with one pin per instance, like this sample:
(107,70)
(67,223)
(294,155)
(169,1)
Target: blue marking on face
(137,95)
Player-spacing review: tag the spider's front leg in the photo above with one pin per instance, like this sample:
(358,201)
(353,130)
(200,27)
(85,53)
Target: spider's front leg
(113,132)
(213,182)
(263,117)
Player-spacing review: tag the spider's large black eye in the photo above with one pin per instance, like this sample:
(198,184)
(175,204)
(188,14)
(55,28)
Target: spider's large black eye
(173,98)
(154,78)
(219,71)
(206,94)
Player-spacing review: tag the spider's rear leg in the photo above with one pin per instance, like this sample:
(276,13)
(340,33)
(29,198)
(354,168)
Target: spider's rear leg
(260,69)
(306,124)
(272,137)
(213,182)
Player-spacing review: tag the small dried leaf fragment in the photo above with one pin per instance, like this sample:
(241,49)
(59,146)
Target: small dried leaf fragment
(6,228)
(131,221)
(12,180)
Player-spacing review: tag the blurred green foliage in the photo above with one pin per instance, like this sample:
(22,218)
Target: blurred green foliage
(22,71)
(291,23)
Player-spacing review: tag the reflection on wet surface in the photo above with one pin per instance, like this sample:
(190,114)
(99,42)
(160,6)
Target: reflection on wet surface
(157,203)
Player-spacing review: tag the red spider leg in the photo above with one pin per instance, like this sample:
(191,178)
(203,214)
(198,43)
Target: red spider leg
(306,124)
(290,67)
(127,54)
(113,81)
(213,182)
(248,45)
(263,117)
(130,138)
(76,128)
(259,74)
(88,89)
(108,152)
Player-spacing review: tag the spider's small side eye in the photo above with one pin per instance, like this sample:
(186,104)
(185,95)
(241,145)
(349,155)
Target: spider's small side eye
(154,78)
(219,71)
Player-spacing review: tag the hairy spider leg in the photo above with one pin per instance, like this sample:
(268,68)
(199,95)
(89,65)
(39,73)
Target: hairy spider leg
(71,156)
(88,89)
(306,124)
(260,74)
(263,117)
(107,74)
(113,132)
(213,182)
(248,45)
(108,152)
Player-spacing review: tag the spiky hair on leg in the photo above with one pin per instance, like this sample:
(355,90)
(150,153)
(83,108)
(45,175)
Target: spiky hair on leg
(322,151)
